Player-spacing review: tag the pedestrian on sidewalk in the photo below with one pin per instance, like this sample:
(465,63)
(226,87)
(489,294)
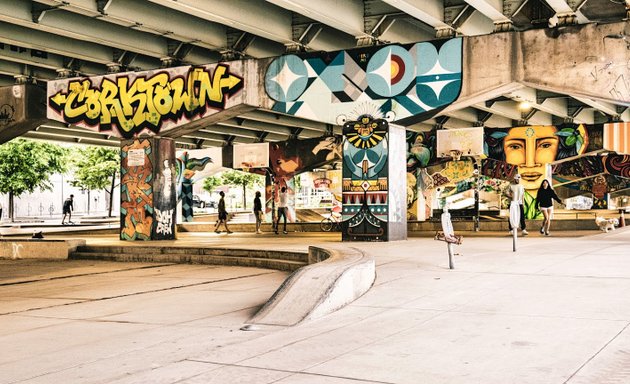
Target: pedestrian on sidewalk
(282,209)
(68,207)
(258,212)
(544,202)
(517,193)
(223,215)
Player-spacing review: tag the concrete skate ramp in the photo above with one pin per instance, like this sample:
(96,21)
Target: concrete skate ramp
(335,277)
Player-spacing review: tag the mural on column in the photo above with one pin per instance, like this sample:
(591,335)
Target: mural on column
(136,210)
(531,149)
(164,191)
(364,179)
(404,83)
(192,166)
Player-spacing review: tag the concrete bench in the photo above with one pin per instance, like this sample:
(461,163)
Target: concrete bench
(338,276)
(26,248)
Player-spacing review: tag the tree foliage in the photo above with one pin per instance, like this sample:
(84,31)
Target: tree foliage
(95,168)
(211,183)
(26,165)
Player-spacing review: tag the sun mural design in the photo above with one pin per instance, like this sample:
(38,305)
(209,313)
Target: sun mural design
(366,132)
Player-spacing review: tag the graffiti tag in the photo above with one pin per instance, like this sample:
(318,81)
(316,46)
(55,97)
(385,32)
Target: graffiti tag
(147,101)
(164,221)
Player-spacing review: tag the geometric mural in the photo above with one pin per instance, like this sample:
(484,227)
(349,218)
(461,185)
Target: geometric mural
(402,83)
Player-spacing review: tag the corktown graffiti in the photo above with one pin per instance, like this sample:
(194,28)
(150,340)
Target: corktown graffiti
(133,102)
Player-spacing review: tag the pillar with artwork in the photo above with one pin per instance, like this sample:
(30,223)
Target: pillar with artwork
(148,196)
(373,180)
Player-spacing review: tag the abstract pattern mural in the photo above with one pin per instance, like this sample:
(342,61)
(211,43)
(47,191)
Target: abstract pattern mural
(365,179)
(136,191)
(404,83)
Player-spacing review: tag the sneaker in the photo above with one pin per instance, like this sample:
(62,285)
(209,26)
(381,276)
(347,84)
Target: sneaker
(229,232)
(276,232)
(259,231)
(217,231)
(546,233)
(525,233)
(511,231)
(285,232)
(542,230)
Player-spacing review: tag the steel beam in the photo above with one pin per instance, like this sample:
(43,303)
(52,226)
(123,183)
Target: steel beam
(241,14)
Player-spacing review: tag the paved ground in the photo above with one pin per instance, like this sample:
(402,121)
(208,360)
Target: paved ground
(556,311)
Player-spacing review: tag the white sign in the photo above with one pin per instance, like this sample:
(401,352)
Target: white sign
(467,140)
(135,157)
(251,155)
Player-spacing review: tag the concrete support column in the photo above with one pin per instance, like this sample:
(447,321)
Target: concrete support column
(374,186)
(147,189)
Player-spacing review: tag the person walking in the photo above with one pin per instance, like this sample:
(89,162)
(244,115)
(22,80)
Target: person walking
(258,212)
(282,209)
(517,193)
(68,207)
(544,202)
(222,215)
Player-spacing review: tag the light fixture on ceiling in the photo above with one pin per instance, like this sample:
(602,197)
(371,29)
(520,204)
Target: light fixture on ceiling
(524,106)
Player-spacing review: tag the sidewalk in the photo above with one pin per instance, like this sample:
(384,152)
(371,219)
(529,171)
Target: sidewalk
(556,311)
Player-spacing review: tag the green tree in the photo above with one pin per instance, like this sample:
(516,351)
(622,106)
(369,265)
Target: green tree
(240,179)
(26,165)
(95,168)
(211,183)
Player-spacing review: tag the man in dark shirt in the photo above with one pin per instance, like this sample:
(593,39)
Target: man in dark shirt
(68,207)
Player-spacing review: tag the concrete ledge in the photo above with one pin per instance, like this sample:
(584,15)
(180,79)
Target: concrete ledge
(17,248)
(318,289)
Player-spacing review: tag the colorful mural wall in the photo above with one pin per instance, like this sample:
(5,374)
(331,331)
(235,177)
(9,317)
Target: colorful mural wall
(127,104)
(531,149)
(404,83)
(291,157)
(147,189)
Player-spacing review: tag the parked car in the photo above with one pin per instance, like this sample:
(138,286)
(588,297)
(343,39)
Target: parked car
(199,203)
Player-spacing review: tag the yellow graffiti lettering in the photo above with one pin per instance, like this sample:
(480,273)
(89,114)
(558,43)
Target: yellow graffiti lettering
(146,102)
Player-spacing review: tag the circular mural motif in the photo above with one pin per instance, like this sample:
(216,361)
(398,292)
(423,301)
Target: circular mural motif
(390,71)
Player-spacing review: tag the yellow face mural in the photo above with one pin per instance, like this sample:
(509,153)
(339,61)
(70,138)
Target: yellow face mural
(531,150)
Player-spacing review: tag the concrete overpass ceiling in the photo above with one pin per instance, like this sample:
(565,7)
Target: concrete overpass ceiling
(41,40)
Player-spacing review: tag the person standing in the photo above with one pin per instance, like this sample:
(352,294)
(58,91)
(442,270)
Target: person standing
(544,202)
(222,215)
(282,209)
(258,212)
(68,207)
(517,193)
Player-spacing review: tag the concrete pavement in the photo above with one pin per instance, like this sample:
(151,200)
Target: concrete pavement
(555,311)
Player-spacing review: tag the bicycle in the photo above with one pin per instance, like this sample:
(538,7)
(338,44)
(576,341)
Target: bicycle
(332,221)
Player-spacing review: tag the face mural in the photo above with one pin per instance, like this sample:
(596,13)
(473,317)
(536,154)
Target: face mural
(531,149)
